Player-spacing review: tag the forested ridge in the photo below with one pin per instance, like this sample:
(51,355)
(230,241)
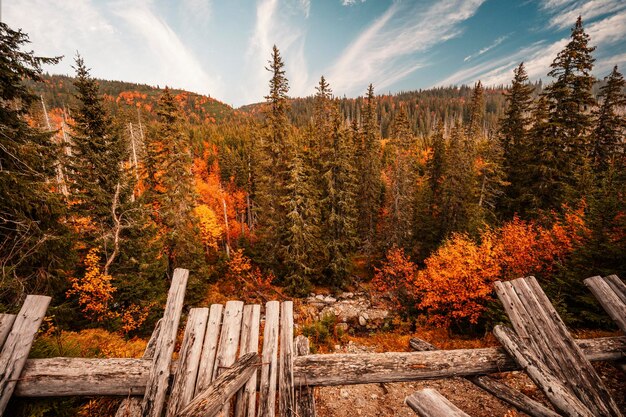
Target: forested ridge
(426,198)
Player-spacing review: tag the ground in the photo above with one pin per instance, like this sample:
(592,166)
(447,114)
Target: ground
(381,400)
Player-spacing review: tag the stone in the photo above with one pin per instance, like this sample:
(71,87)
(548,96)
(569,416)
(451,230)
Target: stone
(343,327)
(344,393)
(320,297)
(362,320)
(330,300)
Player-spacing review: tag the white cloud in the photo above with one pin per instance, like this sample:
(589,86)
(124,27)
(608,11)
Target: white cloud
(383,52)
(565,12)
(285,28)
(351,2)
(488,48)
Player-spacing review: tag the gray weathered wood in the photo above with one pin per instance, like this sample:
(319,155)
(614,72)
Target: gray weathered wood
(556,348)
(305,398)
(131,406)
(209,348)
(604,291)
(156,388)
(210,401)
(61,377)
(497,389)
(286,404)
(556,391)
(430,403)
(184,384)
(618,286)
(245,403)
(269,360)
(15,350)
(366,368)
(229,341)
(6,323)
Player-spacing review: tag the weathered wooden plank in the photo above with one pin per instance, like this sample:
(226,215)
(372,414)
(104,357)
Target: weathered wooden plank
(15,350)
(210,401)
(131,406)
(286,399)
(60,377)
(188,360)
(6,323)
(245,404)
(365,368)
(269,367)
(209,348)
(156,388)
(609,299)
(304,396)
(582,378)
(429,402)
(497,389)
(618,286)
(558,394)
(229,341)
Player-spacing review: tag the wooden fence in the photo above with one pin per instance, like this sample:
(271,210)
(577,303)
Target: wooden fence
(222,370)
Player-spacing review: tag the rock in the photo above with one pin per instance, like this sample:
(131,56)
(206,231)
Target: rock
(344,393)
(330,300)
(320,297)
(343,327)
(374,396)
(346,295)
(362,320)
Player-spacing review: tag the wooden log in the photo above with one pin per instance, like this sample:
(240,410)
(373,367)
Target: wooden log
(6,323)
(609,299)
(304,396)
(156,388)
(245,404)
(582,378)
(229,341)
(286,399)
(131,406)
(269,367)
(61,377)
(429,402)
(618,286)
(210,402)
(498,389)
(18,343)
(184,385)
(558,394)
(209,348)
(366,368)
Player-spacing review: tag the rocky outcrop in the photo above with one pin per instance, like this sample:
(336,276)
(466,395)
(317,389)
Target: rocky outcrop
(351,309)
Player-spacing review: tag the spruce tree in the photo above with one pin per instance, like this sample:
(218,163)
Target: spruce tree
(98,150)
(474,126)
(517,149)
(607,148)
(368,166)
(570,102)
(34,244)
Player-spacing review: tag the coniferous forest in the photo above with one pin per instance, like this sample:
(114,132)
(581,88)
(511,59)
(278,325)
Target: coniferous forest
(423,198)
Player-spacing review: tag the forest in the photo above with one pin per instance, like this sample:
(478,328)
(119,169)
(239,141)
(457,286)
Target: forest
(423,197)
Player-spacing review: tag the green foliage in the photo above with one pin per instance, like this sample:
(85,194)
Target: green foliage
(323,333)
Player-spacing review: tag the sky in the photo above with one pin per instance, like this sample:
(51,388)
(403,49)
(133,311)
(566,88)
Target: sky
(221,47)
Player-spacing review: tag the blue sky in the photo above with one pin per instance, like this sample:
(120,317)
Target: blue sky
(220,47)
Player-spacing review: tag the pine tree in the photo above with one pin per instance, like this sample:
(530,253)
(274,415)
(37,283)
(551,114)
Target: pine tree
(474,127)
(273,155)
(608,140)
(570,101)
(515,141)
(98,151)
(34,245)
(368,166)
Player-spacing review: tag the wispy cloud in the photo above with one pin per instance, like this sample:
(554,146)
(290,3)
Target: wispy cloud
(566,11)
(278,23)
(538,57)
(351,2)
(384,52)
(488,48)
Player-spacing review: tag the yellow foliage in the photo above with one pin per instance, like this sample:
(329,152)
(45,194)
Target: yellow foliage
(94,290)
(210,228)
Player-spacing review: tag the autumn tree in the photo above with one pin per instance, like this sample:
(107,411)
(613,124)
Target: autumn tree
(34,245)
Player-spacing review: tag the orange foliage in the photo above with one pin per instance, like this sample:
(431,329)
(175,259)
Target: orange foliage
(246,280)
(457,281)
(94,290)
(134,316)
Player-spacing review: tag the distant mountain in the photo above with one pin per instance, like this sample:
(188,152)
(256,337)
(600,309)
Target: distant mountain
(58,92)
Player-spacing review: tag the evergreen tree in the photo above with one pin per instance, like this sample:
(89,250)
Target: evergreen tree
(170,180)
(474,127)
(34,245)
(570,101)
(517,149)
(368,166)
(607,148)
(98,151)
(273,156)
